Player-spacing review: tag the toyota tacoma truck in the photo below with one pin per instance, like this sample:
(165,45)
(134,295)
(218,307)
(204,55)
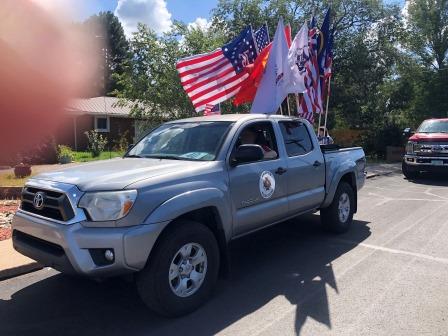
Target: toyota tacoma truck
(426,149)
(167,211)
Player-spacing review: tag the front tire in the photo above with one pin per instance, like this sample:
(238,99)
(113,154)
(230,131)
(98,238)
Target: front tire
(408,172)
(182,271)
(338,217)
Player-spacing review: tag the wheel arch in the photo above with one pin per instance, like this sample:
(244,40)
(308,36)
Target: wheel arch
(210,217)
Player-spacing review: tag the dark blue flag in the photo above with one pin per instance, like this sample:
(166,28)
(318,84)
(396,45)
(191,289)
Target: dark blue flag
(262,38)
(242,51)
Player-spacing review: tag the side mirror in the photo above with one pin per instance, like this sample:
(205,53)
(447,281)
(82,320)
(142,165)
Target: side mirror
(246,153)
(407,132)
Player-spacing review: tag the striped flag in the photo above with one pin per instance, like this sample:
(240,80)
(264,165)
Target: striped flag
(211,109)
(311,101)
(214,77)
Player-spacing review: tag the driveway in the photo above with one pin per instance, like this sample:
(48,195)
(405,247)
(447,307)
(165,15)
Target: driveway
(387,276)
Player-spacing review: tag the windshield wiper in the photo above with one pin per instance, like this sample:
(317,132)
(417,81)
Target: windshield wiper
(168,157)
(133,156)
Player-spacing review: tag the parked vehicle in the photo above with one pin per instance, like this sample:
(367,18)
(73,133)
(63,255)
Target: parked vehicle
(427,148)
(168,209)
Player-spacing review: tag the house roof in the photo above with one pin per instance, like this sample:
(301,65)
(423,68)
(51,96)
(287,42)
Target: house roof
(97,106)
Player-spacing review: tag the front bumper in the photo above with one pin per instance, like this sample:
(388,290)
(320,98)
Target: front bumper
(73,248)
(423,162)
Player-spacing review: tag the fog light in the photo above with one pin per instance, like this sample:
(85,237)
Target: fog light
(109,255)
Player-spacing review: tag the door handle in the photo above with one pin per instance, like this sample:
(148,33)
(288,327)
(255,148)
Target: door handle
(281,170)
(317,163)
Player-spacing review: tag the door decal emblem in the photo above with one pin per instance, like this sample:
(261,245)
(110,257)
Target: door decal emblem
(266,184)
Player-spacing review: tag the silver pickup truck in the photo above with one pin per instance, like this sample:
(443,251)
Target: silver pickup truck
(168,209)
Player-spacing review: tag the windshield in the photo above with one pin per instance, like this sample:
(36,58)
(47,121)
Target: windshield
(433,126)
(183,141)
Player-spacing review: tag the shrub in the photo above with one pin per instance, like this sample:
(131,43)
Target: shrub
(65,154)
(375,140)
(97,142)
(122,144)
(44,152)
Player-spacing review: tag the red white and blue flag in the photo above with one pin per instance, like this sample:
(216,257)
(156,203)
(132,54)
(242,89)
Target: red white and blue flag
(262,38)
(325,55)
(211,109)
(311,100)
(214,77)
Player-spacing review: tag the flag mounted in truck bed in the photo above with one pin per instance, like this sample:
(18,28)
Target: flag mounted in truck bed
(214,77)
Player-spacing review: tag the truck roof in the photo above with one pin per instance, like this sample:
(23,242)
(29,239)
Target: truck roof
(232,117)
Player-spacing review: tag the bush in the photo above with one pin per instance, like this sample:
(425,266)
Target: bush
(375,140)
(65,154)
(44,152)
(122,144)
(97,142)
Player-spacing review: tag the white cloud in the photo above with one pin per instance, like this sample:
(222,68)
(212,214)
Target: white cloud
(200,23)
(153,13)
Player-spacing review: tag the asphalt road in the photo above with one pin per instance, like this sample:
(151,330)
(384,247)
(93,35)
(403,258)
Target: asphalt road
(387,276)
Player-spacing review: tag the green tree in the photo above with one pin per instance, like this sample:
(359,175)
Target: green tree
(113,49)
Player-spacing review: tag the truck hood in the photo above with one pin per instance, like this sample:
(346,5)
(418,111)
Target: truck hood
(429,137)
(116,174)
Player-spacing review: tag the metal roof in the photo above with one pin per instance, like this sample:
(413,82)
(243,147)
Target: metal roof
(97,106)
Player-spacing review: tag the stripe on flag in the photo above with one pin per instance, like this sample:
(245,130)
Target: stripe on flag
(211,109)
(214,77)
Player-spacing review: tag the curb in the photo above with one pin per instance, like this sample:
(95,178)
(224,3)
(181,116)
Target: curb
(369,176)
(19,270)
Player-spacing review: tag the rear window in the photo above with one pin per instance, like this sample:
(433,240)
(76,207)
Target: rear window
(296,137)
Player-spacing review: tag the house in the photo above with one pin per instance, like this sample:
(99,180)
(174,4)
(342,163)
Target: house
(101,114)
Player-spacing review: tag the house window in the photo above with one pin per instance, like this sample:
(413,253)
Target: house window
(102,124)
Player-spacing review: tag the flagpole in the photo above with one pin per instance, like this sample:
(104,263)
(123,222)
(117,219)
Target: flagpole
(320,117)
(328,99)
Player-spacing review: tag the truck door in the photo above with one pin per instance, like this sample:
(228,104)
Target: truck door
(306,168)
(258,189)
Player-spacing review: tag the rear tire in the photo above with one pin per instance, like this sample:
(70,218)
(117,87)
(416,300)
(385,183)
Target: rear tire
(172,284)
(409,172)
(338,217)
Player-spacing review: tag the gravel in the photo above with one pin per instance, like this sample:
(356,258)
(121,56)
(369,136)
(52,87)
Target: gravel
(7,211)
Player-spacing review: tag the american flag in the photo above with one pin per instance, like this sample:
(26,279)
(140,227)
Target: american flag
(311,101)
(262,38)
(325,56)
(214,77)
(211,109)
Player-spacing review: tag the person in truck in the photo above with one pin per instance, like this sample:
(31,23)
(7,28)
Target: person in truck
(324,137)
(252,137)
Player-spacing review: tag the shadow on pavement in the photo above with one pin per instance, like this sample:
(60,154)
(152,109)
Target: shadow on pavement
(293,259)
(431,179)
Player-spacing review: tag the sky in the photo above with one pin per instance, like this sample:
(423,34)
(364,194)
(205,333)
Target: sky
(157,14)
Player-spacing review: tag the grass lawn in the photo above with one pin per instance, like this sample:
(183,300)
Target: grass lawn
(8,179)
(87,156)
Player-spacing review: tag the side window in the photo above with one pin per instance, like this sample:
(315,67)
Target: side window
(262,134)
(296,137)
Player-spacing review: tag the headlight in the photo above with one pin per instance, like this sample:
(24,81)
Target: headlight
(410,147)
(109,205)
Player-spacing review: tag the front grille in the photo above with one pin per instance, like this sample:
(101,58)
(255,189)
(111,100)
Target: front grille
(432,154)
(56,205)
